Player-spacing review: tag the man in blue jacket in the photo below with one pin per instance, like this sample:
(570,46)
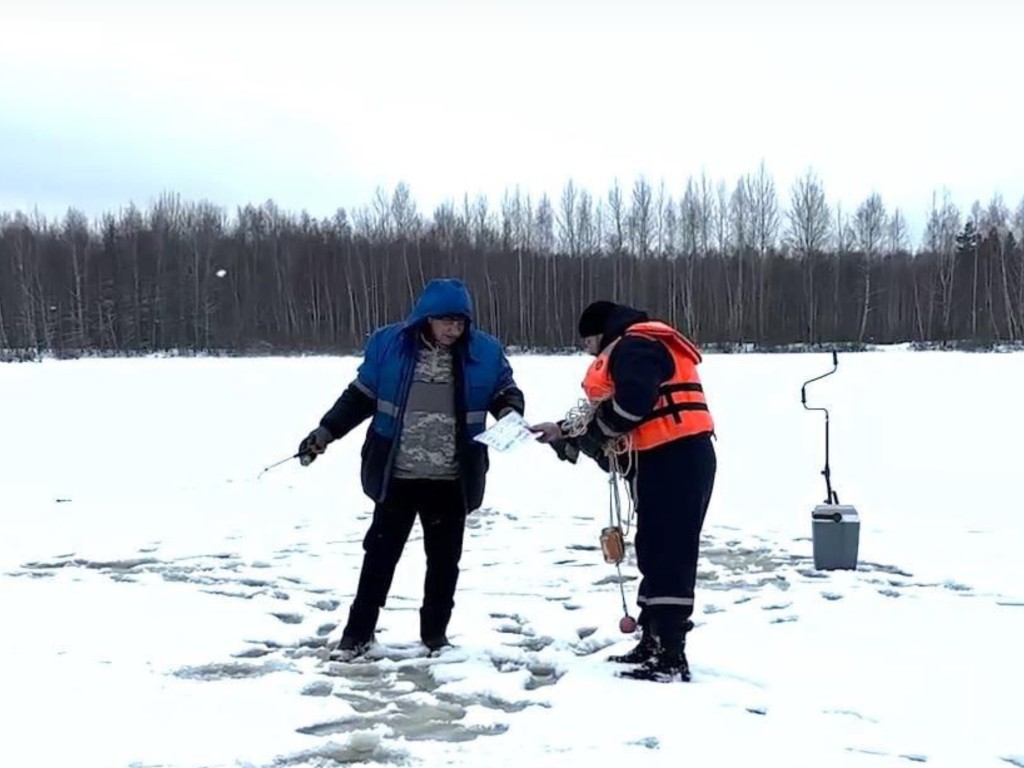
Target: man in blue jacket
(428,383)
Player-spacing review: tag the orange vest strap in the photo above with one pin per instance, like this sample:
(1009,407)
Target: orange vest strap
(686,386)
(673,408)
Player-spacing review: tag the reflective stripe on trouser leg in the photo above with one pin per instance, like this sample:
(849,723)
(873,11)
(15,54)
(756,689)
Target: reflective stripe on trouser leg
(649,602)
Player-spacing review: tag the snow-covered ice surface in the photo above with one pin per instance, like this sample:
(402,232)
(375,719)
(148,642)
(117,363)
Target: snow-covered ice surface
(160,606)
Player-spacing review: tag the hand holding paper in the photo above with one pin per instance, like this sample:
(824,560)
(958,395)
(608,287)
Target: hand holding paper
(547,432)
(509,432)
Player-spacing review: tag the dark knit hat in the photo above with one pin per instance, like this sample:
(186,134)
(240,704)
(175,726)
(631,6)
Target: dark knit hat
(595,317)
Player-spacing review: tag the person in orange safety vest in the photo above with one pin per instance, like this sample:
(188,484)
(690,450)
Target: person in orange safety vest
(645,383)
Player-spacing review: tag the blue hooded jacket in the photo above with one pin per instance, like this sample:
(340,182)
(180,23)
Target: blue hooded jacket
(483,384)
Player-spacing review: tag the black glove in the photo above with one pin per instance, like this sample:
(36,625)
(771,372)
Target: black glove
(566,450)
(593,441)
(313,445)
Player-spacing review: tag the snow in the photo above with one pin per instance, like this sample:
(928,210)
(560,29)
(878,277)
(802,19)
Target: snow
(162,607)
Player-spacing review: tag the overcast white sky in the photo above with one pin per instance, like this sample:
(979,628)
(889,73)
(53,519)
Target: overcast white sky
(315,104)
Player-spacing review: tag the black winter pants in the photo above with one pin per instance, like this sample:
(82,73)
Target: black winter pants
(673,487)
(442,512)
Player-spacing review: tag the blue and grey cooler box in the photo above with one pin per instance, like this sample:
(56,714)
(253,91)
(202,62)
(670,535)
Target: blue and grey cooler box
(836,535)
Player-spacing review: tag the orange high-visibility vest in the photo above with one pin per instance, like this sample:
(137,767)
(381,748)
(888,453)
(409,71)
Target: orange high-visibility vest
(681,409)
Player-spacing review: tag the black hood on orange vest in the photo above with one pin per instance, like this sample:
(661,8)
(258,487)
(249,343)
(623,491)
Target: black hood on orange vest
(618,318)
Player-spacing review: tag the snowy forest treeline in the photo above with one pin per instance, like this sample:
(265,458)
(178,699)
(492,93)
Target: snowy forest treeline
(728,264)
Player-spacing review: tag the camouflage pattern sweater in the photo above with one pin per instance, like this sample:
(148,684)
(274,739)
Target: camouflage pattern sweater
(426,446)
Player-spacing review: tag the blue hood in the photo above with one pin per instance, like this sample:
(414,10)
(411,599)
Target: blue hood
(445,296)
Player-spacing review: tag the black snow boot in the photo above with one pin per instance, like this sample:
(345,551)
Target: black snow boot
(351,647)
(669,663)
(436,642)
(645,650)
(434,626)
(663,668)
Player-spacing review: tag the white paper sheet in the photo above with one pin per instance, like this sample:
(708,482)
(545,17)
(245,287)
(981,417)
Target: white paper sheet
(509,432)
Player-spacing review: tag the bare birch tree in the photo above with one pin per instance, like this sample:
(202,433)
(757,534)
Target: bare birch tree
(807,234)
(567,221)
(870,225)
(641,219)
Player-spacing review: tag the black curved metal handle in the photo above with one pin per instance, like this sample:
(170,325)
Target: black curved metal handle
(803,389)
(831,497)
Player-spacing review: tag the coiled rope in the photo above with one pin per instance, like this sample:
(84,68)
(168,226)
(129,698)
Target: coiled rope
(621,459)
